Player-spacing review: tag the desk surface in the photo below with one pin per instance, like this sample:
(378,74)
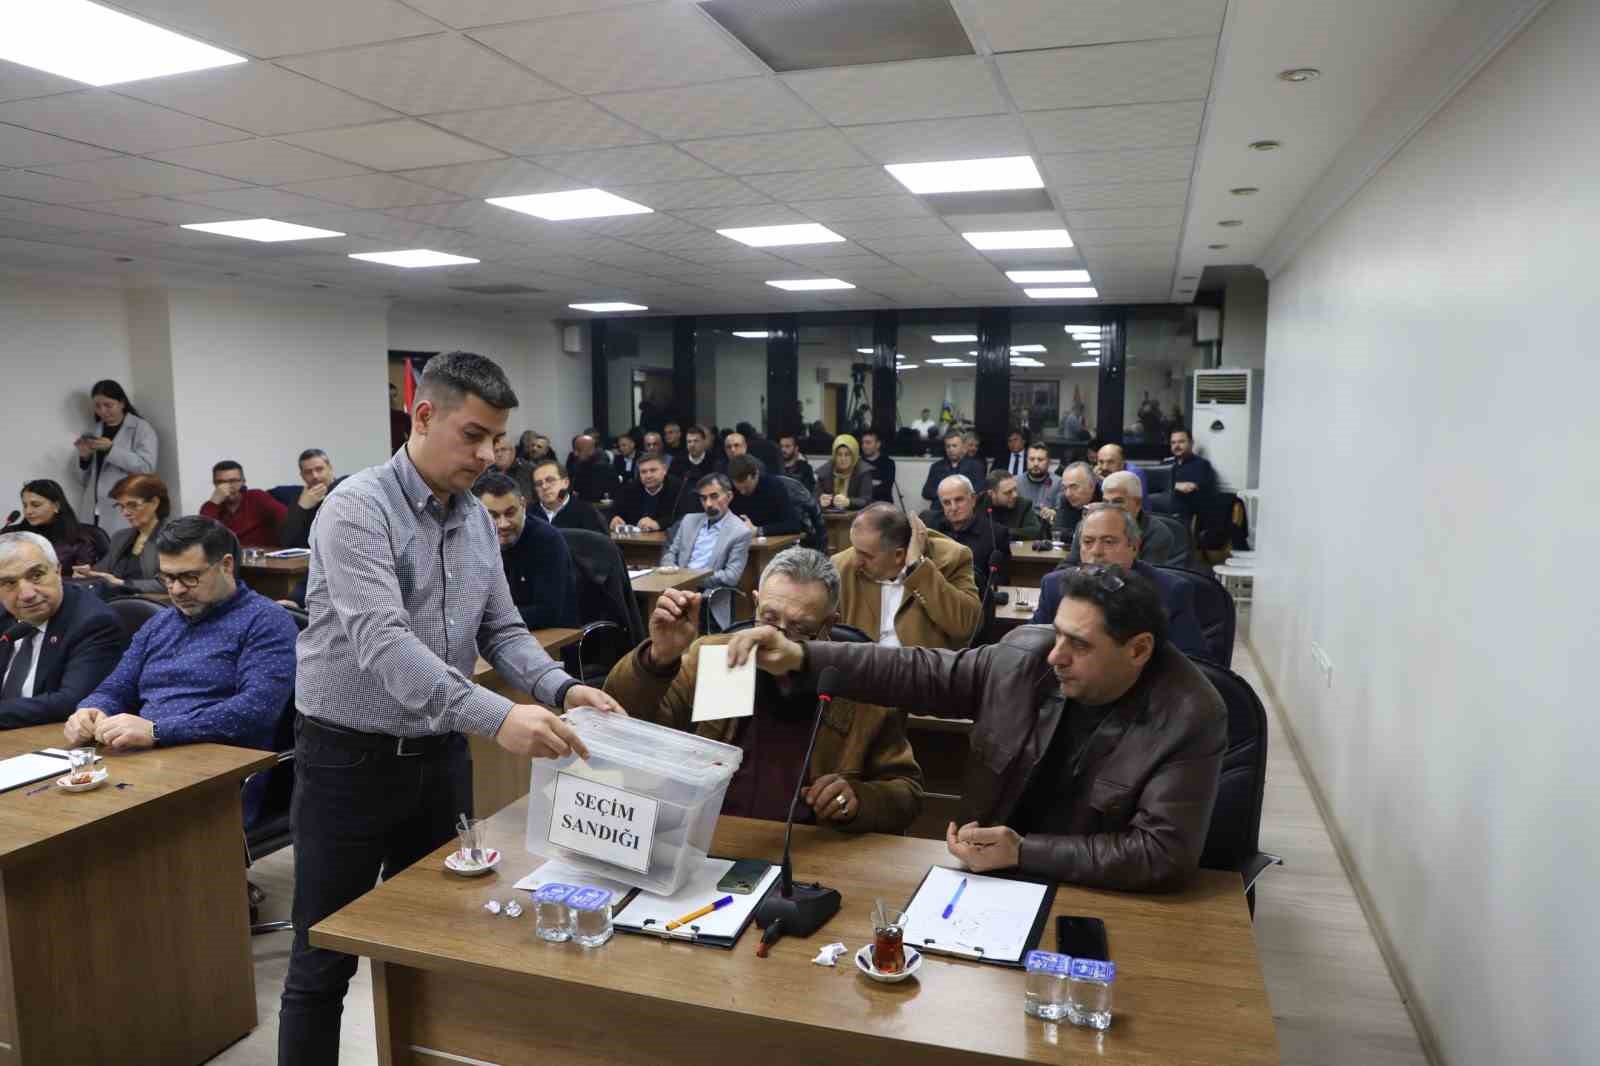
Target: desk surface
(655,582)
(1189,985)
(299,564)
(29,821)
(1023,600)
(1024,549)
(653,540)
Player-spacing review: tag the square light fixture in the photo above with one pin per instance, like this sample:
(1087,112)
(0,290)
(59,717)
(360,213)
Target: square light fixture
(1026,362)
(1076,293)
(954,338)
(906,366)
(870,351)
(1084,331)
(1002,240)
(1048,277)
(968,175)
(1090,362)
(98,46)
(411,258)
(810,284)
(607,307)
(960,362)
(752,334)
(574,203)
(776,236)
(266,230)
(1016,348)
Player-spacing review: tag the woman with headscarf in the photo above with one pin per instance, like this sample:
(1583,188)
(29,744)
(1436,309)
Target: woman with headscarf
(121,445)
(45,511)
(845,484)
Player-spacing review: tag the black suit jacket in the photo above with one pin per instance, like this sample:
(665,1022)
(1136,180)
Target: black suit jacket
(81,647)
(576,514)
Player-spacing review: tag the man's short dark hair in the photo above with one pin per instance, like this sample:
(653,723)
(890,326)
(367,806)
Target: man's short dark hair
(311,453)
(999,476)
(495,484)
(1128,601)
(651,457)
(705,433)
(181,534)
(870,433)
(889,523)
(719,481)
(741,467)
(449,379)
(671,424)
(1180,429)
(227,464)
(954,432)
(1040,445)
(561,471)
(788,434)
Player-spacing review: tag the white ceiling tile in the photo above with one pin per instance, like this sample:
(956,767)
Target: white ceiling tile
(891,227)
(740,217)
(53,190)
(826,184)
(1098,75)
(846,209)
(1123,194)
(99,117)
(428,74)
(370,190)
(531,129)
(258,97)
(728,108)
(1139,164)
(364,223)
(260,161)
(141,175)
(900,92)
(290,26)
(627,166)
(1121,217)
(1092,240)
(632,227)
(257,203)
(18,82)
(1009,220)
(677,195)
(1090,129)
(822,149)
(626,48)
(26,148)
(497,177)
(698,239)
(68,217)
(470,214)
(1023,25)
(403,144)
(463,13)
(159,209)
(921,142)
(896,246)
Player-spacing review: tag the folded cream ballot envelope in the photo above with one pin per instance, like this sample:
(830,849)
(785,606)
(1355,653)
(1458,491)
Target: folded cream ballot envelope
(720,692)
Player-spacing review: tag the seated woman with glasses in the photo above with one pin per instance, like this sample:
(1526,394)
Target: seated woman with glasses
(45,511)
(130,565)
(864,777)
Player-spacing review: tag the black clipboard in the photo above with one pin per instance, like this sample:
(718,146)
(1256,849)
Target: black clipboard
(690,934)
(1035,931)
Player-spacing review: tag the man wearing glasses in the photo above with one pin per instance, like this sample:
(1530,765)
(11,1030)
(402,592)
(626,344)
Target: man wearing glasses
(216,668)
(865,778)
(1096,745)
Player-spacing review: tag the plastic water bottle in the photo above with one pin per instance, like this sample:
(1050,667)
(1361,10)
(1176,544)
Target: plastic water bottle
(1089,992)
(589,911)
(1046,993)
(550,919)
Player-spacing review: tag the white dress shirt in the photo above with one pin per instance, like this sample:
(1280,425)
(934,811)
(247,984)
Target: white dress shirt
(892,592)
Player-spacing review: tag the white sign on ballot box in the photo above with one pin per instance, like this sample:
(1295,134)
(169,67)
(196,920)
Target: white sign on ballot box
(602,822)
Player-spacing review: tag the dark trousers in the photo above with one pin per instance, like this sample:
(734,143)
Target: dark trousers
(359,810)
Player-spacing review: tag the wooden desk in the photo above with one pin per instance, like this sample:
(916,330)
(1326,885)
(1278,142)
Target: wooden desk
(653,584)
(641,549)
(1016,613)
(762,550)
(275,578)
(126,934)
(498,777)
(1028,565)
(453,983)
(838,523)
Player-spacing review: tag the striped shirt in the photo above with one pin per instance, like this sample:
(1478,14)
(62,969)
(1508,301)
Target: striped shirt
(403,595)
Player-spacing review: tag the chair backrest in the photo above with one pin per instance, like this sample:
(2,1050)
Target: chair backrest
(604,592)
(133,612)
(288,495)
(1234,837)
(1213,608)
(1181,553)
(270,829)
(815,534)
(839,634)
(1156,478)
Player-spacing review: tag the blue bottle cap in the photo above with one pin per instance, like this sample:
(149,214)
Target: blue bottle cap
(554,892)
(589,899)
(1094,970)
(1047,962)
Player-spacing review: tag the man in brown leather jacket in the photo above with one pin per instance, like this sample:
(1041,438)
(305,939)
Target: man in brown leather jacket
(864,777)
(1096,747)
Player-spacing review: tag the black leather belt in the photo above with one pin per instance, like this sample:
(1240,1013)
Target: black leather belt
(382,743)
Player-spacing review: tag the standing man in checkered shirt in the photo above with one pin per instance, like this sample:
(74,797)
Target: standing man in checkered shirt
(405,591)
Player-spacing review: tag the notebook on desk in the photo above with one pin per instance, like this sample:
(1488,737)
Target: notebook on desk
(34,766)
(994,919)
(649,914)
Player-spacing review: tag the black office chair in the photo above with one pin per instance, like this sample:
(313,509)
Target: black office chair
(1156,479)
(288,495)
(708,624)
(133,612)
(1213,606)
(815,533)
(271,831)
(607,609)
(1233,841)
(1182,554)
(839,634)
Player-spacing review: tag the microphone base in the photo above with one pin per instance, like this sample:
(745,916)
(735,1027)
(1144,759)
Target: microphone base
(802,913)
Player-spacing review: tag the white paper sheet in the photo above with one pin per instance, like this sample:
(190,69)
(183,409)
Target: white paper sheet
(561,873)
(993,914)
(635,575)
(720,692)
(25,769)
(700,889)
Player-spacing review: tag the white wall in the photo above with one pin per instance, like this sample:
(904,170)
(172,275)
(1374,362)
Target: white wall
(1244,322)
(1450,306)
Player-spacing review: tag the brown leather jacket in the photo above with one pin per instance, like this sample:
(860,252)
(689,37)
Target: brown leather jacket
(939,608)
(1134,814)
(863,742)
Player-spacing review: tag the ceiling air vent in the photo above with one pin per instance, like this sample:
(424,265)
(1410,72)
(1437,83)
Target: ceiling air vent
(811,34)
(506,289)
(1230,389)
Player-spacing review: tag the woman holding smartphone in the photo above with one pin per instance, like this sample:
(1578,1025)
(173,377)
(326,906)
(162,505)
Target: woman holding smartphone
(121,444)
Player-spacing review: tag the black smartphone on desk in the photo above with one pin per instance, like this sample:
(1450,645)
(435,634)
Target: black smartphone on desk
(743,878)
(1082,938)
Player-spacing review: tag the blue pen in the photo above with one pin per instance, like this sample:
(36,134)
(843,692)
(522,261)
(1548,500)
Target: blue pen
(949,908)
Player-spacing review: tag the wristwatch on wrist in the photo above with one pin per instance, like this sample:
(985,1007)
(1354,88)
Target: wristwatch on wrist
(155,736)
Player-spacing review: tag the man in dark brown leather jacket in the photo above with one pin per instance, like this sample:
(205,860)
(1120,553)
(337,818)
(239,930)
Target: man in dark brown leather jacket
(1096,747)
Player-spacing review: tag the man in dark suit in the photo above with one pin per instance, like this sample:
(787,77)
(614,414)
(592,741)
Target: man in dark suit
(590,474)
(955,461)
(882,467)
(60,641)
(652,501)
(538,563)
(558,505)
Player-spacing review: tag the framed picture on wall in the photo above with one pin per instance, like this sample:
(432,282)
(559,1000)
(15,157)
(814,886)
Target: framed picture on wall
(1036,403)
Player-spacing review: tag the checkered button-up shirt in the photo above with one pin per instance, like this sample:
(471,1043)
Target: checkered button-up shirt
(403,594)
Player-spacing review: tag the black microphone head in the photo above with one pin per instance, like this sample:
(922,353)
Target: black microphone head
(17,631)
(11,519)
(828,680)
(996,558)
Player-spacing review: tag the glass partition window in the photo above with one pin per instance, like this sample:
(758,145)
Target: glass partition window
(937,372)
(835,377)
(1055,379)
(1160,360)
(731,374)
(639,388)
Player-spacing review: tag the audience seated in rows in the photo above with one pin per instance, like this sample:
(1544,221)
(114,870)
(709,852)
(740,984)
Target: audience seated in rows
(962,520)
(1157,544)
(1109,536)
(845,484)
(251,515)
(756,445)
(695,462)
(712,539)
(652,501)
(864,776)
(1039,485)
(955,461)
(1109,459)
(794,464)
(589,474)
(131,565)
(655,442)
(1015,461)
(760,502)
(879,465)
(538,564)
(1078,490)
(316,471)
(558,505)
(61,640)
(904,585)
(1012,510)
(507,462)
(45,511)
(1097,745)
(671,444)
(217,666)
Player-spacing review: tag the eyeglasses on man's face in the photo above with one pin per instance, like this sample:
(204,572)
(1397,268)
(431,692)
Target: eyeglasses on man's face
(187,578)
(793,632)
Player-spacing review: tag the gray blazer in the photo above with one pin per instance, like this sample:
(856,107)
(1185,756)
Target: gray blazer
(727,561)
(149,559)
(134,451)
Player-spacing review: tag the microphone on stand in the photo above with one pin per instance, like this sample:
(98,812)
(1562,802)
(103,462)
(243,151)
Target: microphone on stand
(11,519)
(996,557)
(17,631)
(799,909)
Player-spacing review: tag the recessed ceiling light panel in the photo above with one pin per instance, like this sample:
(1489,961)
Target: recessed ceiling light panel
(751,334)
(412,258)
(1048,277)
(871,351)
(1000,240)
(776,236)
(810,284)
(574,203)
(95,45)
(266,230)
(1082,292)
(954,338)
(1016,348)
(1088,362)
(968,175)
(608,307)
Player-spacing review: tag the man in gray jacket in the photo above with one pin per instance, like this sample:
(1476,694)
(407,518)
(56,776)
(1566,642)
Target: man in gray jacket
(712,540)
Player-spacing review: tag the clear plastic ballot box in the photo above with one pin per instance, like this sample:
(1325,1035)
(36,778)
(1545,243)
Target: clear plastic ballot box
(641,809)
